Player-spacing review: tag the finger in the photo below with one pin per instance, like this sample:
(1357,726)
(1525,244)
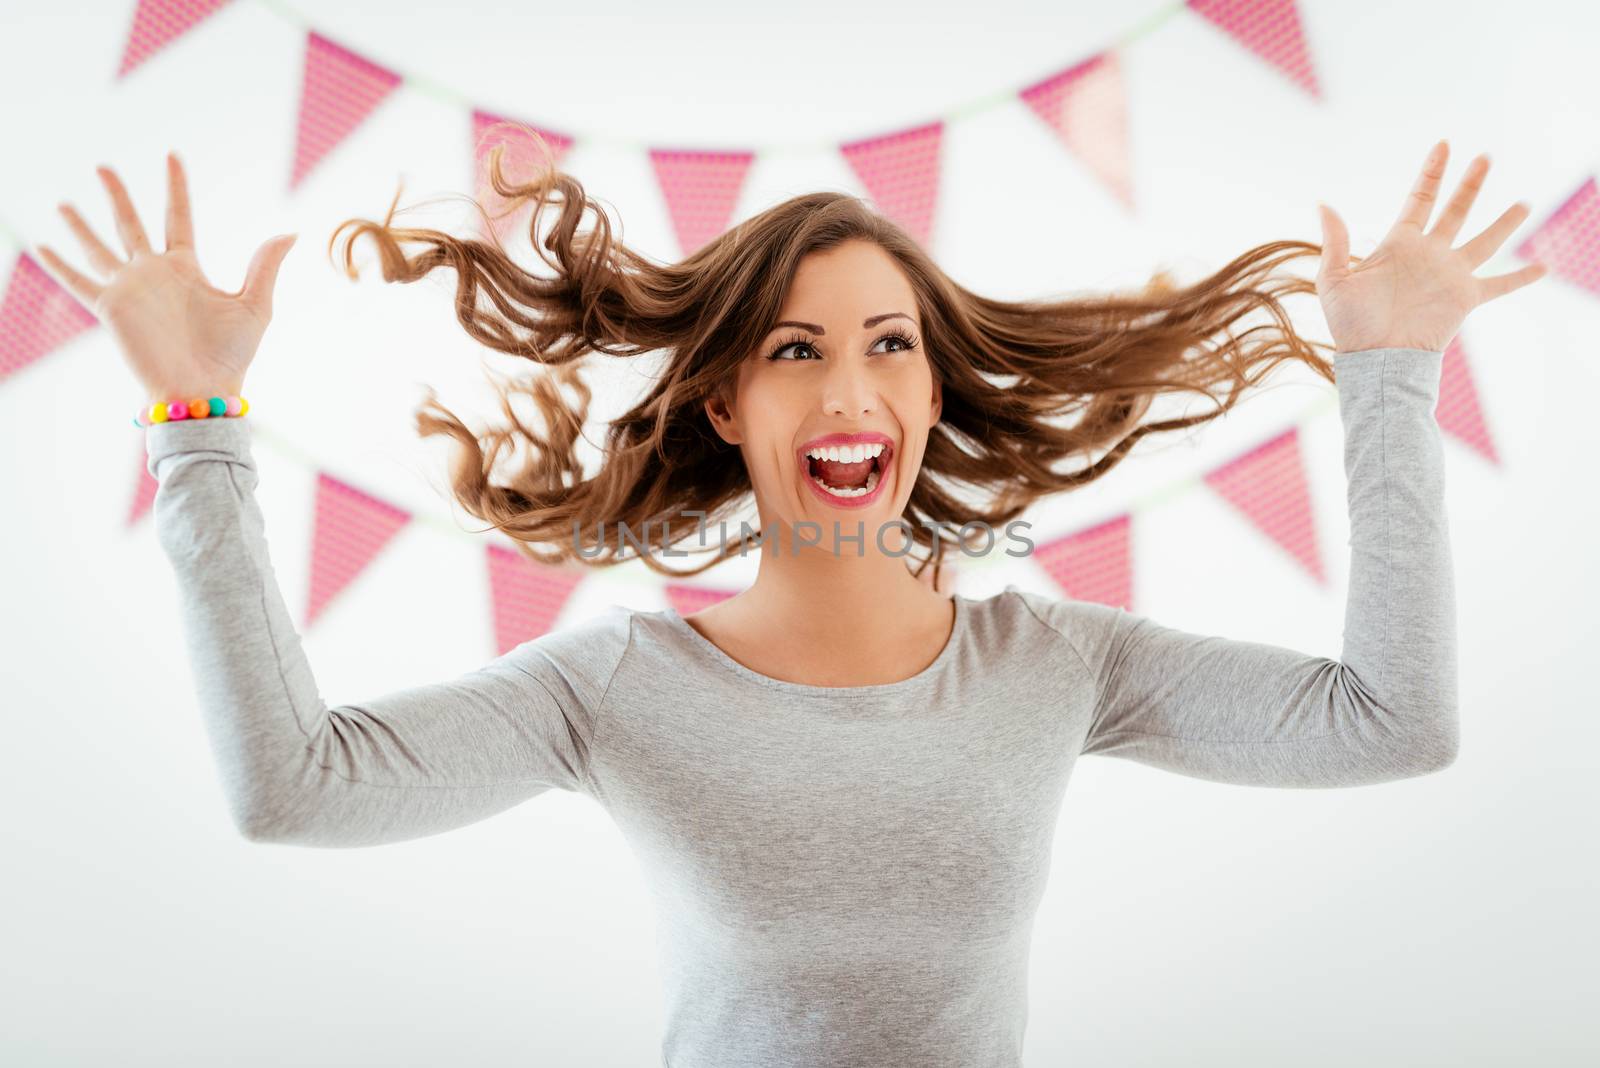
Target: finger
(1494,235)
(1455,212)
(128,225)
(1501,284)
(85,289)
(262,274)
(180,226)
(102,258)
(1335,244)
(1420,203)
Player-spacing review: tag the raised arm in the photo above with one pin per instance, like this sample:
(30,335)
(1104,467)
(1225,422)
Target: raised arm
(405,765)
(1247,712)
(1262,715)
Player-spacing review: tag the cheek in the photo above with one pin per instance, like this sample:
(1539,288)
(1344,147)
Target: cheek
(771,404)
(770,410)
(912,388)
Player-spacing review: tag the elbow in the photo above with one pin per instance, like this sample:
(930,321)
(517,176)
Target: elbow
(261,823)
(1434,748)
(257,827)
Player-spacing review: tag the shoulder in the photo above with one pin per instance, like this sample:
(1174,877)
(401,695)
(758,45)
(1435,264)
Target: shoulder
(578,660)
(1089,629)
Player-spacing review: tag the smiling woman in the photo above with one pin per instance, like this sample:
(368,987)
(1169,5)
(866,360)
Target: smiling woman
(844,786)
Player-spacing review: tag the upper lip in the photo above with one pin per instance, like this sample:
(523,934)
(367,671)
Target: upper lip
(865,437)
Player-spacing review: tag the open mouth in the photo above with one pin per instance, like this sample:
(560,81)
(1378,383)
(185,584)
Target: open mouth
(847,473)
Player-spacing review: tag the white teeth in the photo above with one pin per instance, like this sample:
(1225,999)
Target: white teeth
(859,491)
(847,453)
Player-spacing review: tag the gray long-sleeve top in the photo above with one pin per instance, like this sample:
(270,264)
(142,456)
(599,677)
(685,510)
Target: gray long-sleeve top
(841,875)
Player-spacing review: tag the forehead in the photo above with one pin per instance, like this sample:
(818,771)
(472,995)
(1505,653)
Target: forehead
(847,283)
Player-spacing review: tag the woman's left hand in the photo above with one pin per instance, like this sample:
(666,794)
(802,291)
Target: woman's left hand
(1414,291)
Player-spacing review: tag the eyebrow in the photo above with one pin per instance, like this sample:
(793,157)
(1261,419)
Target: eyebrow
(815,329)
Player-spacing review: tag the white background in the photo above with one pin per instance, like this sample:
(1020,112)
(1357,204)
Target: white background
(1441,920)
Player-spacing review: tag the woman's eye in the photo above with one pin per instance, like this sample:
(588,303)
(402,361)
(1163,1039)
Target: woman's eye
(777,354)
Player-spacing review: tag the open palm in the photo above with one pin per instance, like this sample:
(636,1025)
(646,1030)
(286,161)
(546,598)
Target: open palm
(180,335)
(1414,291)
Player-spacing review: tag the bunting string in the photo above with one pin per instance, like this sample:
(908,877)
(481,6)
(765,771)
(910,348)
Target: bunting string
(1081,103)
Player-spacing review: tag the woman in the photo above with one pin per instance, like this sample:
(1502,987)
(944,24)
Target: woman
(843,785)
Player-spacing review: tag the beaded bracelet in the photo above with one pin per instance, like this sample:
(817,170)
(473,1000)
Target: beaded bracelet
(229,405)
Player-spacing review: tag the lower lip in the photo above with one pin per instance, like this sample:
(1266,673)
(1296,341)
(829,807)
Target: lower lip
(847,502)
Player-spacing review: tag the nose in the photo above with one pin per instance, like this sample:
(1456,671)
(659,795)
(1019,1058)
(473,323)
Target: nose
(848,391)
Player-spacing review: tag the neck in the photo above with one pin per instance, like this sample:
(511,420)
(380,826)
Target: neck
(853,595)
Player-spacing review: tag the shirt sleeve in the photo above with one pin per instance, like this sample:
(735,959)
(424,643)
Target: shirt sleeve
(1258,714)
(404,765)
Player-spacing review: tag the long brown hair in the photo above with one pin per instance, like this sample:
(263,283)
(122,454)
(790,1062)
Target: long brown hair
(1010,370)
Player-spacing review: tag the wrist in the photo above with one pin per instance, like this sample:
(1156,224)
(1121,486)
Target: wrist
(187,392)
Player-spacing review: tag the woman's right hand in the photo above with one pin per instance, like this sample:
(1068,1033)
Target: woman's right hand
(182,336)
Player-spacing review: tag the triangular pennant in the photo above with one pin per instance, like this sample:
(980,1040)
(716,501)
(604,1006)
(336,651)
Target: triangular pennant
(527,597)
(901,173)
(1569,241)
(145,485)
(1087,107)
(1269,28)
(1268,484)
(339,90)
(687,599)
(1095,564)
(522,159)
(351,527)
(157,23)
(1458,411)
(37,315)
(701,190)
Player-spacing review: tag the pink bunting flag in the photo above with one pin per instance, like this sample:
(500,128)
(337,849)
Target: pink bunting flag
(521,160)
(157,23)
(687,599)
(1268,485)
(527,596)
(1095,564)
(340,89)
(350,529)
(1569,241)
(701,190)
(901,173)
(1269,28)
(1086,106)
(37,316)
(1458,412)
(145,485)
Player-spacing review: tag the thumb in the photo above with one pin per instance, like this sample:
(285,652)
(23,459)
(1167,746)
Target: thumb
(1335,243)
(263,272)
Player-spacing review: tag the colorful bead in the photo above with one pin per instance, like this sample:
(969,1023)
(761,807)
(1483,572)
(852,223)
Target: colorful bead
(231,404)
